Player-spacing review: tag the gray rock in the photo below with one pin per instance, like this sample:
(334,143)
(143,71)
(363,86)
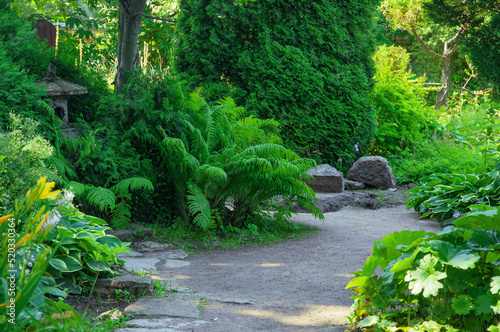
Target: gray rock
(326,179)
(151,246)
(174,254)
(163,322)
(135,285)
(372,171)
(141,265)
(134,231)
(364,199)
(164,306)
(353,185)
(129,253)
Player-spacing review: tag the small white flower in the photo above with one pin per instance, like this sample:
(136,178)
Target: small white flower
(52,220)
(30,264)
(457,214)
(67,197)
(27,272)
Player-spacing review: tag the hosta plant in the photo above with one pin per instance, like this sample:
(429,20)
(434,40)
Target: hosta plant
(24,261)
(433,282)
(448,196)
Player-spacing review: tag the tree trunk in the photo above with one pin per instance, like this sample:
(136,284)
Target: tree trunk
(444,92)
(128,34)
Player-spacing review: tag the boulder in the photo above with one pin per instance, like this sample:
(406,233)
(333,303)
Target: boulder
(326,179)
(133,232)
(372,171)
(353,185)
(135,286)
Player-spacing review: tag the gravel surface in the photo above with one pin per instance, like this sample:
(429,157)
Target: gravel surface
(293,285)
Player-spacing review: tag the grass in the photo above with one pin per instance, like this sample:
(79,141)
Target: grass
(259,230)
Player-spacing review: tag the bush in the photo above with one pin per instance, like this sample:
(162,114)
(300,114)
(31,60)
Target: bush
(211,169)
(23,60)
(398,99)
(25,154)
(304,64)
(433,282)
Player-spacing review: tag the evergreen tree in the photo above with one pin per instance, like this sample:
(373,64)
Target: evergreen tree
(304,63)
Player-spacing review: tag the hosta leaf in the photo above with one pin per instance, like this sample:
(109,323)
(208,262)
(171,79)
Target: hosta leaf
(484,304)
(495,285)
(425,278)
(72,263)
(462,305)
(469,197)
(111,240)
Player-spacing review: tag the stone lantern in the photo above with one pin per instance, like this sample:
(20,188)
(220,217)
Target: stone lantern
(58,91)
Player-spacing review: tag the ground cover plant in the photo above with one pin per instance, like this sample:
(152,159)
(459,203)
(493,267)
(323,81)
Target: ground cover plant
(433,282)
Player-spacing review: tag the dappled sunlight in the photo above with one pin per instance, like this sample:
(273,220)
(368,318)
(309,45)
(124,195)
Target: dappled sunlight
(180,276)
(346,275)
(312,315)
(270,265)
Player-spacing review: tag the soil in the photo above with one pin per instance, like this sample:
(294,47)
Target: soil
(296,285)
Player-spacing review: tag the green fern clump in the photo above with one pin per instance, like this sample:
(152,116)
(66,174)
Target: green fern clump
(229,167)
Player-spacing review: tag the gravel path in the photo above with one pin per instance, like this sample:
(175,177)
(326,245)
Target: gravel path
(293,285)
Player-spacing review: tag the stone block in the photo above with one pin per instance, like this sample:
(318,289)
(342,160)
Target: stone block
(326,179)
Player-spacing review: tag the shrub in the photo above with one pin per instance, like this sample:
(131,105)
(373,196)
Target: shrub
(211,169)
(398,99)
(433,282)
(304,64)
(25,154)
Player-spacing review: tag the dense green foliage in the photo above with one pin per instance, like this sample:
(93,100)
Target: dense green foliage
(397,97)
(305,64)
(18,48)
(433,282)
(24,155)
(448,196)
(212,168)
(482,21)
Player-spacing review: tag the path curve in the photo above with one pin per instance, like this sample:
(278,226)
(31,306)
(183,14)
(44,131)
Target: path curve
(295,285)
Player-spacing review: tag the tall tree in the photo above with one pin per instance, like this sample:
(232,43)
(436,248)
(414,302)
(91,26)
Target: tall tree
(482,19)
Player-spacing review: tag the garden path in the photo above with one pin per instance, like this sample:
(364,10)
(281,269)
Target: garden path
(288,286)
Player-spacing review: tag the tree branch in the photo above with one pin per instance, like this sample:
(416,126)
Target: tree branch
(162,18)
(425,45)
(471,92)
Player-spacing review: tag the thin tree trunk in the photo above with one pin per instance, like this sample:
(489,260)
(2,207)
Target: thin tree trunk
(128,34)
(444,91)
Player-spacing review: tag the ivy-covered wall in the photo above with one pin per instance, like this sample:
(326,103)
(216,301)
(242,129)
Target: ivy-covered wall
(304,63)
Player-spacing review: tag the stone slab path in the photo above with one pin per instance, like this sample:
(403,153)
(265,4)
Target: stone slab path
(288,286)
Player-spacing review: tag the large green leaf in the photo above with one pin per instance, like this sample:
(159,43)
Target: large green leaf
(71,263)
(452,255)
(112,241)
(199,207)
(484,304)
(480,219)
(462,305)
(495,285)
(425,278)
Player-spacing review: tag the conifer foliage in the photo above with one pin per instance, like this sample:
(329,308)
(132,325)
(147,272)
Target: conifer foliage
(303,63)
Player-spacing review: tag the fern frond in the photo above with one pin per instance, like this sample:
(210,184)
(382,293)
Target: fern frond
(199,207)
(268,150)
(132,184)
(76,188)
(101,197)
(230,108)
(206,173)
(120,215)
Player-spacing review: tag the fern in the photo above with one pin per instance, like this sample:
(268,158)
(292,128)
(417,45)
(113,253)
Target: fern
(101,197)
(132,184)
(120,215)
(199,207)
(76,187)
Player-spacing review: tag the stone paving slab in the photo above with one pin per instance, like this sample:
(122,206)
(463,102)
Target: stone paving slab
(165,306)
